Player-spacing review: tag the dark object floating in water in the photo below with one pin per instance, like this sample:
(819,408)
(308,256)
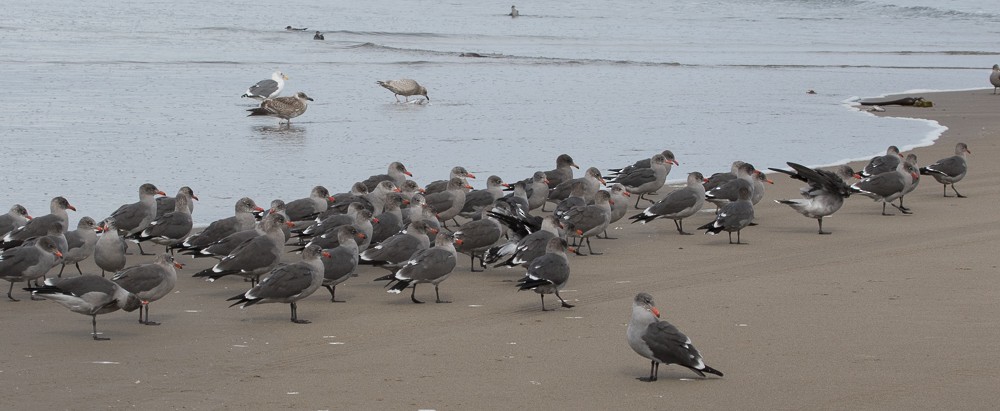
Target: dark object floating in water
(290,28)
(318,36)
(471,55)
(905,101)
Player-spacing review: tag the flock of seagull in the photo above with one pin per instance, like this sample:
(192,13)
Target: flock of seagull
(392,222)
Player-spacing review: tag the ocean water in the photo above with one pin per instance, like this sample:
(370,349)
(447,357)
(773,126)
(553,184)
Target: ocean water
(99,98)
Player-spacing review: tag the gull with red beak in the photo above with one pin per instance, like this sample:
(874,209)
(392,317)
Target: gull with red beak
(660,341)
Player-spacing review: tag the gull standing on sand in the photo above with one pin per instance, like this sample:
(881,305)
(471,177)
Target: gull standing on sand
(914,170)
(172,227)
(432,265)
(40,226)
(88,295)
(592,180)
(475,237)
(449,203)
(549,273)
(392,253)
(950,170)
(522,252)
(149,282)
(660,341)
(886,187)
(288,283)
(678,204)
(343,260)
(823,196)
(588,221)
(404,87)
(995,77)
(285,108)
(28,262)
(728,192)
(644,181)
(80,244)
(267,89)
(734,216)
(109,252)
(132,218)
(478,200)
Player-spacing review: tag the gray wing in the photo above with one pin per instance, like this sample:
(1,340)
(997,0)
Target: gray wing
(372,182)
(428,265)
(139,278)
(395,249)
(729,191)
(74,239)
(951,166)
(388,225)
(263,88)
(477,234)
(549,267)
(477,200)
(670,346)
(675,202)
(562,190)
(881,164)
(171,225)
(436,187)
(440,201)
(584,218)
(34,228)
(15,261)
(736,215)
(637,177)
(301,209)
(339,266)
(531,247)
(252,255)
(229,243)
(284,282)
(129,216)
(217,230)
(883,185)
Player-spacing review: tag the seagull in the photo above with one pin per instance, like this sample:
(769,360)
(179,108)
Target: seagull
(285,108)
(548,274)
(404,87)
(660,341)
(513,12)
(266,89)
(318,36)
(88,295)
(824,195)
(952,169)
(995,78)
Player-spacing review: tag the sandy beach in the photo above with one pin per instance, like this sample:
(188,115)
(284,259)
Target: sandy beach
(892,312)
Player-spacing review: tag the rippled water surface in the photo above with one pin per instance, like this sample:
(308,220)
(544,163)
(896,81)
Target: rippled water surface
(100,98)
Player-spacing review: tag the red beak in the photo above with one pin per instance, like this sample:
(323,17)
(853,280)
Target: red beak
(178,265)
(655,312)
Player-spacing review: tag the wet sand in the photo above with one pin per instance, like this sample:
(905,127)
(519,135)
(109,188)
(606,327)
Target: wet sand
(886,313)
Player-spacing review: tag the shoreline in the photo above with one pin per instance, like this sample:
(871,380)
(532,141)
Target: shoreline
(885,313)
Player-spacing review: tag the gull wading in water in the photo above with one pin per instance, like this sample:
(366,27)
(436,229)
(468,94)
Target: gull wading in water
(285,108)
(404,87)
(266,89)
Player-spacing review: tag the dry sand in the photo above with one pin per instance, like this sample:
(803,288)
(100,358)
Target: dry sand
(887,313)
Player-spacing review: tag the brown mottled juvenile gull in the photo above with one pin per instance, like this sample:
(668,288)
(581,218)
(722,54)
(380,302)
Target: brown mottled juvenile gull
(404,87)
(285,108)
(266,89)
